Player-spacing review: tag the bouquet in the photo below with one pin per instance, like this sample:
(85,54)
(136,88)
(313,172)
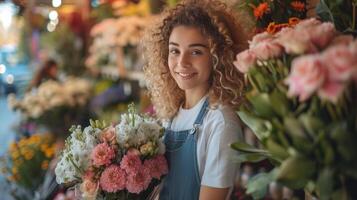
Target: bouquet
(54,104)
(301,105)
(26,164)
(125,161)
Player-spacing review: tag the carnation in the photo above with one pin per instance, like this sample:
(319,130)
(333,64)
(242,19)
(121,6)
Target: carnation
(157,166)
(139,181)
(131,163)
(113,179)
(102,154)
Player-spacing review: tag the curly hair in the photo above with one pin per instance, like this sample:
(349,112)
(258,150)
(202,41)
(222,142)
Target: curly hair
(226,38)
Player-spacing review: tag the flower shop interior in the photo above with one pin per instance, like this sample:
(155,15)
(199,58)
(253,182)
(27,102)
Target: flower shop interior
(68,65)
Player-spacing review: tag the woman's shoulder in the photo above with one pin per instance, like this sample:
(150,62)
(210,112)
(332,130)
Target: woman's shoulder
(222,114)
(223,121)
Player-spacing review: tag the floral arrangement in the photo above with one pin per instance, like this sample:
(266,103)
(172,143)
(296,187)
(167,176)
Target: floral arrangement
(301,94)
(275,15)
(124,161)
(110,34)
(55,105)
(73,92)
(27,161)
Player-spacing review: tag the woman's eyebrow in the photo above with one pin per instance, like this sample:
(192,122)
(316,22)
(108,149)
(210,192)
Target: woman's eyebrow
(198,45)
(191,45)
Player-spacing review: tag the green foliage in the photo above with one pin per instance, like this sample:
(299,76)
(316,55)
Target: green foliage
(340,12)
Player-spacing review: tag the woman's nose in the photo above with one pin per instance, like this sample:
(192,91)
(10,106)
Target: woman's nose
(184,60)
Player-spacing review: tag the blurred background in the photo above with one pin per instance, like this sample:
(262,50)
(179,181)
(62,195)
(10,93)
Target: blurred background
(63,62)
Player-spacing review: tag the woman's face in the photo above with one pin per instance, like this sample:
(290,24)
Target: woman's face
(190,60)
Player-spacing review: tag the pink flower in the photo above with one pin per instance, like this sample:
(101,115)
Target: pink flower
(139,181)
(133,151)
(267,49)
(89,188)
(342,40)
(102,154)
(331,91)
(131,163)
(245,60)
(260,38)
(307,23)
(108,135)
(307,76)
(322,35)
(296,41)
(89,174)
(113,179)
(157,166)
(341,63)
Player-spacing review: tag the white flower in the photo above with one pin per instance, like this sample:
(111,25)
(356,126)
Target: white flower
(65,170)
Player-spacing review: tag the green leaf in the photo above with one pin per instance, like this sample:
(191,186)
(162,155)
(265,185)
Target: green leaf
(325,184)
(279,102)
(296,171)
(311,124)
(241,146)
(324,11)
(276,150)
(293,127)
(250,157)
(261,128)
(258,185)
(262,104)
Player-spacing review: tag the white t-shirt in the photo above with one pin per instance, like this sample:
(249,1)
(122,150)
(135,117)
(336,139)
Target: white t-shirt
(219,129)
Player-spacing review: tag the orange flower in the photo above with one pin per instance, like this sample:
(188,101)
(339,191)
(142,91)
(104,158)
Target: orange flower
(261,10)
(271,28)
(298,6)
(293,21)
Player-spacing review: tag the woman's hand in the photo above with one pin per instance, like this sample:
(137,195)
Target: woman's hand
(211,193)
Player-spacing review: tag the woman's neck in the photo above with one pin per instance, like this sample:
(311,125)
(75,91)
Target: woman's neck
(192,98)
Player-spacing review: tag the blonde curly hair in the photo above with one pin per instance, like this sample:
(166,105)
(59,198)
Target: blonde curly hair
(226,38)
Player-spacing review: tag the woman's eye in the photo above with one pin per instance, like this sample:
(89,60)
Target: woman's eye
(174,51)
(196,52)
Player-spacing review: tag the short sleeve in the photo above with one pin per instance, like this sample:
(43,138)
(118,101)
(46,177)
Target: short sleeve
(220,169)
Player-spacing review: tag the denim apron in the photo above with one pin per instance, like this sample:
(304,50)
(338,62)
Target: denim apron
(183,181)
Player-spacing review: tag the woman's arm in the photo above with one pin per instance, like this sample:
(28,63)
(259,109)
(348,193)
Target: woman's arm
(211,193)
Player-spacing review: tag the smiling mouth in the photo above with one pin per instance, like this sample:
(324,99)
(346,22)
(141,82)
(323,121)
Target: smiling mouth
(186,75)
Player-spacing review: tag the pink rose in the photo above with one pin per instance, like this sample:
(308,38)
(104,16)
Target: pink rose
(267,49)
(108,135)
(296,41)
(307,76)
(113,179)
(341,63)
(245,60)
(342,40)
(260,38)
(131,163)
(157,166)
(102,154)
(139,181)
(331,91)
(89,189)
(307,23)
(322,35)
